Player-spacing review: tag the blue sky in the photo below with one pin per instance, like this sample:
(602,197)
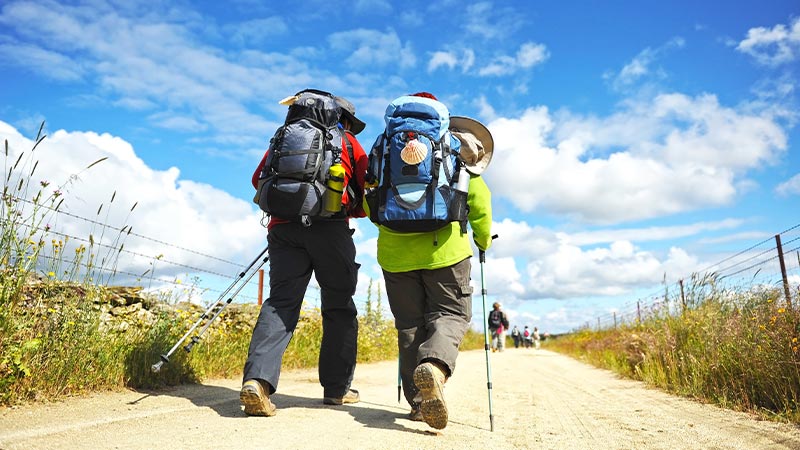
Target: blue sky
(635,142)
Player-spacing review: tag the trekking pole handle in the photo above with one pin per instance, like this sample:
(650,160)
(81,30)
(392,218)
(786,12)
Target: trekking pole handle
(482,253)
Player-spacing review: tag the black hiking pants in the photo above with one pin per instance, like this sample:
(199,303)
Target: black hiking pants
(325,248)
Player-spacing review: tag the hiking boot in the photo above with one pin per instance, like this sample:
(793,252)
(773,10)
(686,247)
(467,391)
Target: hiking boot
(351,396)
(429,379)
(255,399)
(416,415)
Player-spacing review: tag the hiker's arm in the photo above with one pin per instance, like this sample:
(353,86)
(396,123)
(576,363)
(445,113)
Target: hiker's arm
(480,212)
(257,173)
(359,172)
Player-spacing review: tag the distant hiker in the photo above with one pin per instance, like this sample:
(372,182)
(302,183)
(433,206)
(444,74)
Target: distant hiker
(536,337)
(498,323)
(419,202)
(527,337)
(309,233)
(516,336)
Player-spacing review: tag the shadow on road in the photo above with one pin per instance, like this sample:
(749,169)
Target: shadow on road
(225,402)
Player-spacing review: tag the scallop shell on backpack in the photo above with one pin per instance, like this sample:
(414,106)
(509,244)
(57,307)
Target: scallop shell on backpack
(414,152)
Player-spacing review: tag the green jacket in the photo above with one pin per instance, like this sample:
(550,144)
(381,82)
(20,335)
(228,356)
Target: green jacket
(404,252)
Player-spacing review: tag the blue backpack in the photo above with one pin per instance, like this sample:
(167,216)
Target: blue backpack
(416,166)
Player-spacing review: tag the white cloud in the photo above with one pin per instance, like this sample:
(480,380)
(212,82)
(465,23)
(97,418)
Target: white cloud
(773,46)
(180,212)
(369,48)
(442,59)
(152,61)
(490,21)
(452,60)
(529,55)
(656,157)
(640,66)
(53,65)
(646,234)
(560,265)
(790,186)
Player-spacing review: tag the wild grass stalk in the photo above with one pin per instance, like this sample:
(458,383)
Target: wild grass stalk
(736,348)
(59,338)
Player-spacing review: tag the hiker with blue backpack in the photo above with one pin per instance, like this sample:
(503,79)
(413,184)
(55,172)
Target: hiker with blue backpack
(424,188)
(309,182)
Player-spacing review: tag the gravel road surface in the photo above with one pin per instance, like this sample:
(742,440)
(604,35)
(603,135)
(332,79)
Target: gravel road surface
(540,400)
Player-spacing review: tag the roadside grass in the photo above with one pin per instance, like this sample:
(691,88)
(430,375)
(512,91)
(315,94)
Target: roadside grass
(737,348)
(55,336)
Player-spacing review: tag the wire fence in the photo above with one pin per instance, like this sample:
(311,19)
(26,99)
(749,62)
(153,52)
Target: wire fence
(771,263)
(114,255)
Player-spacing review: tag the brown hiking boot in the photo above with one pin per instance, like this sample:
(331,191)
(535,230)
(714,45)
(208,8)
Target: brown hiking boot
(429,379)
(255,399)
(416,415)
(351,396)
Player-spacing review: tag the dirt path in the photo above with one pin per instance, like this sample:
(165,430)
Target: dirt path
(540,399)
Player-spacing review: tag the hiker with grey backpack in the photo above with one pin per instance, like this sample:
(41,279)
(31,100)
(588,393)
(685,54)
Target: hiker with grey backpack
(309,183)
(424,188)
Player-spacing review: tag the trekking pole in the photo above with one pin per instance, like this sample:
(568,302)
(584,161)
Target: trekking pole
(399,380)
(482,258)
(195,339)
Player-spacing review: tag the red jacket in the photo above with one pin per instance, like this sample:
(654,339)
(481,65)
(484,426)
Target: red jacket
(353,208)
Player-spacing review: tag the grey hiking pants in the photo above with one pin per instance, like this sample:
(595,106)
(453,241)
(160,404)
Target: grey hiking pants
(432,310)
(325,248)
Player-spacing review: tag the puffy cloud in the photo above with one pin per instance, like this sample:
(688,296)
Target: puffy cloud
(451,60)
(560,265)
(772,46)
(655,157)
(442,59)
(122,191)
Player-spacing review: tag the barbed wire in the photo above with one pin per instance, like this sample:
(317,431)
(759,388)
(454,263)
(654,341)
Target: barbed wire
(130,252)
(653,303)
(122,230)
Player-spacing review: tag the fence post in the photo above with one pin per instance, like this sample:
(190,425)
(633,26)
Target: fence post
(683,298)
(638,311)
(598,324)
(786,289)
(615,320)
(260,286)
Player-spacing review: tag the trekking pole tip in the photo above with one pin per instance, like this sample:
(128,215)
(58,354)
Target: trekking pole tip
(157,367)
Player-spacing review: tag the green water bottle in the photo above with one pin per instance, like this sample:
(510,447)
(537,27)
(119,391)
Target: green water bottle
(333,195)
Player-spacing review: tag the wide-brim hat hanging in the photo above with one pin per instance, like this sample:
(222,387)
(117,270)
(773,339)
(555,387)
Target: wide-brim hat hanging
(477,143)
(349,111)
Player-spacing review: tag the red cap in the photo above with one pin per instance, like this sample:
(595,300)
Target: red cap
(426,95)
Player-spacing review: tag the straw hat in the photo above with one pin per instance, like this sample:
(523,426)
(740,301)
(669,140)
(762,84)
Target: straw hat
(477,144)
